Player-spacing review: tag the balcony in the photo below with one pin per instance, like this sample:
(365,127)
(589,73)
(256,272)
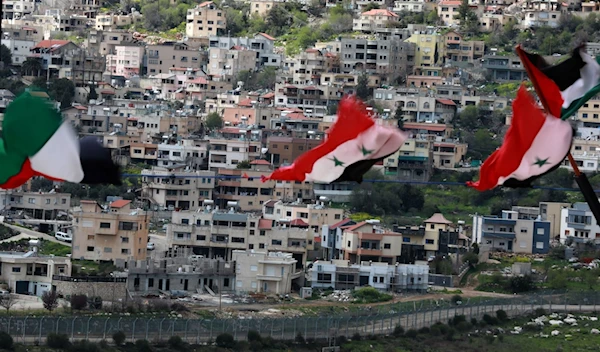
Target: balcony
(370,252)
(169,186)
(268,277)
(370,236)
(230,183)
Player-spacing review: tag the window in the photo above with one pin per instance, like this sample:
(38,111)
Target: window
(31,200)
(432,226)
(539,245)
(406,239)
(251,232)
(276,242)
(523,230)
(48,201)
(337,216)
(200,238)
(261,245)
(16,269)
(540,231)
(124,239)
(150,282)
(124,251)
(105,225)
(387,246)
(128,226)
(323,277)
(253,268)
(90,248)
(429,241)
(107,249)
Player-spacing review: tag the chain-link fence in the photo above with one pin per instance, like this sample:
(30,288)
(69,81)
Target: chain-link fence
(376,321)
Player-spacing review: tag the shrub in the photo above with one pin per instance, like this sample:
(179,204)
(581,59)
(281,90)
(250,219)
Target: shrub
(103,344)
(463,326)
(255,346)
(253,335)
(176,343)
(490,339)
(178,307)
(501,338)
(356,337)
(443,328)
(370,295)
(119,338)
(456,298)
(299,338)
(520,284)
(95,302)
(6,341)
(57,341)
(472,258)
(474,321)
(143,346)
(435,330)
(158,305)
(225,340)
(341,340)
(501,315)
(457,320)
(79,302)
(398,331)
(450,334)
(411,333)
(539,312)
(424,330)
(84,346)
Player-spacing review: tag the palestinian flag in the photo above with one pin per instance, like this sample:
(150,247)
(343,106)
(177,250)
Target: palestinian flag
(535,144)
(577,80)
(354,144)
(36,142)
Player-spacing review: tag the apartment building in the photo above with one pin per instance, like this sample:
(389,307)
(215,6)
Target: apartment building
(177,188)
(388,58)
(504,68)
(413,161)
(162,57)
(551,212)
(538,13)
(216,232)
(231,61)
(342,275)
(180,271)
(105,42)
(39,205)
(19,41)
(262,7)
(116,233)
(366,241)
(429,48)
(578,224)
(29,273)
(315,216)
(205,20)
(243,188)
(261,43)
(377,18)
(409,6)
(447,11)
(185,152)
(459,50)
(589,114)
(284,150)
(437,236)
(17,9)
(332,236)
(310,101)
(449,153)
(512,233)
(305,67)
(126,62)
(111,21)
(56,54)
(227,153)
(265,272)
(586,153)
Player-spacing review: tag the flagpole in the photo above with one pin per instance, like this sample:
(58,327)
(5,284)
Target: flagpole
(582,181)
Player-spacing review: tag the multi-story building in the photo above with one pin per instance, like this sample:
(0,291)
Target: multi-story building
(105,42)
(332,236)
(29,273)
(315,216)
(512,233)
(17,9)
(231,61)
(409,6)
(244,188)
(38,205)
(305,67)
(126,62)
(578,224)
(177,189)
(185,152)
(179,270)
(537,13)
(377,18)
(55,54)
(261,43)
(504,68)
(162,57)
(366,241)
(265,272)
(227,153)
(20,41)
(110,21)
(437,236)
(447,11)
(342,275)
(116,233)
(284,150)
(430,45)
(551,212)
(413,161)
(459,50)
(262,7)
(205,20)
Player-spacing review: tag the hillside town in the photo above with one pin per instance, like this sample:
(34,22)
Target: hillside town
(198,115)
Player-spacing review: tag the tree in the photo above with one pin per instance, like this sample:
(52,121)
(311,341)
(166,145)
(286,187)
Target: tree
(244,165)
(7,301)
(6,341)
(214,121)
(225,340)
(362,87)
(5,55)
(370,6)
(50,300)
(399,116)
(93,95)
(467,17)
(79,302)
(119,338)
(469,118)
(62,90)
(31,66)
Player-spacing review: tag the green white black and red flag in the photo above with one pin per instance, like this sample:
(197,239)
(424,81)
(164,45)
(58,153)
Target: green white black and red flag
(536,143)
(37,142)
(355,143)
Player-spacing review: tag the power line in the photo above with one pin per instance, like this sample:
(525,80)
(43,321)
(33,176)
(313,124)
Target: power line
(423,183)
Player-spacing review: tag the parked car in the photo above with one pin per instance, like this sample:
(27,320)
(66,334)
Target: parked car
(4,293)
(150,246)
(63,236)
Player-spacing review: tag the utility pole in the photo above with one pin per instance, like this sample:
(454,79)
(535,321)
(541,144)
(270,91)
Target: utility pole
(219,283)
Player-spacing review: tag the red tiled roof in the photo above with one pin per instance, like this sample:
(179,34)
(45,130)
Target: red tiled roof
(270,204)
(245,102)
(230,130)
(317,239)
(296,116)
(206,3)
(340,223)
(199,80)
(269,95)
(80,107)
(450,3)
(413,126)
(444,145)
(438,218)
(355,227)
(298,222)
(265,224)
(50,44)
(107,92)
(259,162)
(446,102)
(379,12)
(119,203)
(267,36)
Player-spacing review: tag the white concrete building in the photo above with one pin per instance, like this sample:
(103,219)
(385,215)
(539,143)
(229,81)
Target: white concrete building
(578,224)
(177,189)
(267,273)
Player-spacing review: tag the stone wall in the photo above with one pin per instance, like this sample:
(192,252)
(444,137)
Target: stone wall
(109,291)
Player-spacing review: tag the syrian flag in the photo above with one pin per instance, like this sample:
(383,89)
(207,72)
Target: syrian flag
(36,142)
(535,144)
(577,80)
(354,144)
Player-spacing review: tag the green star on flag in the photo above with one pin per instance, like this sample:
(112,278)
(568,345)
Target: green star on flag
(337,161)
(365,151)
(540,162)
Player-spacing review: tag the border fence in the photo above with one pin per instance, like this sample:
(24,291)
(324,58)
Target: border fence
(379,320)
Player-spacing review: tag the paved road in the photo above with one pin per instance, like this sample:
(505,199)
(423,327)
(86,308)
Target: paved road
(160,242)
(27,233)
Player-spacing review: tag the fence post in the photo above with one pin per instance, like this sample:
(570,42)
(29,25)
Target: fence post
(295,325)
(211,328)
(160,329)
(40,334)
(105,324)
(133,330)
(282,328)
(24,328)
(57,321)
(198,335)
(148,327)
